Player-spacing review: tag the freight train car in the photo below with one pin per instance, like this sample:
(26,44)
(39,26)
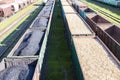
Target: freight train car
(5,10)
(9,7)
(25,2)
(26,58)
(6,1)
(108,33)
(25,46)
(82,9)
(15,7)
(21,4)
(91,56)
(18,68)
(102,28)
(75,25)
(34,35)
(86,11)
(79,4)
(115,3)
(93,60)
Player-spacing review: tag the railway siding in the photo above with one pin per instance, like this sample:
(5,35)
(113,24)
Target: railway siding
(110,13)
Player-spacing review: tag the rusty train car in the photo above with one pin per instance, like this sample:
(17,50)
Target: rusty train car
(107,31)
(91,56)
(26,58)
(8,7)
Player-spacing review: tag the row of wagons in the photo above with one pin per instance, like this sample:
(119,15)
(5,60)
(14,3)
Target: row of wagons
(8,8)
(93,60)
(25,60)
(106,30)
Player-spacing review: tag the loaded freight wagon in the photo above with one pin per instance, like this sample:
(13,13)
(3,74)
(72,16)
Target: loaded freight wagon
(26,58)
(35,34)
(74,24)
(18,68)
(9,7)
(25,46)
(93,59)
(105,30)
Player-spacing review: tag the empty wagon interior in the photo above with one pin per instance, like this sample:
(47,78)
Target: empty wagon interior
(88,10)
(99,19)
(101,22)
(18,69)
(114,31)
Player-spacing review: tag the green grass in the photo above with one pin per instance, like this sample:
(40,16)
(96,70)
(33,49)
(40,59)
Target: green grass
(59,59)
(109,9)
(14,28)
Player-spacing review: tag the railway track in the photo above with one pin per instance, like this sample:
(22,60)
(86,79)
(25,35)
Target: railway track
(106,14)
(12,39)
(116,19)
(2,32)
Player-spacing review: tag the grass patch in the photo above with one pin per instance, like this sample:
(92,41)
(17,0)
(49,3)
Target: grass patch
(14,28)
(59,61)
(109,9)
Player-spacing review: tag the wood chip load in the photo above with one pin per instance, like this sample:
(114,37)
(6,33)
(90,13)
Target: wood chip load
(65,3)
(95,60)
(77,26)
(68,9)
